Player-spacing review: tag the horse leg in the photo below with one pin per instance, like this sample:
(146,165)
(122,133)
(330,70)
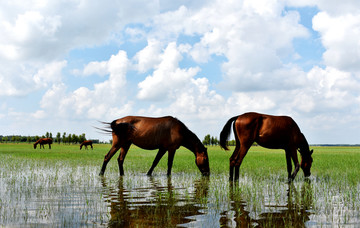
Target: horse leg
(159,155)
(170,161)
(121,158)
(293,154)
(107,158)
(235,153)
(49,146)
(243,151)
(288,164)
(233,160)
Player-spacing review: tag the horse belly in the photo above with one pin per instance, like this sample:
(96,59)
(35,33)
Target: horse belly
(151,135)
(151,143)
(277,140)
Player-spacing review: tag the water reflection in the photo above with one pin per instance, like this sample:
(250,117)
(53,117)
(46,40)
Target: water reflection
(295,213)
(154,205)
(237,216)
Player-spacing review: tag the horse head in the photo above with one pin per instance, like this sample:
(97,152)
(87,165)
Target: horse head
(202,161)
(35,145)
(306,162)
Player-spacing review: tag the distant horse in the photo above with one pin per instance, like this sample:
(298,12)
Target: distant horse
(43,141)
(164,133)
(86,143)
(273,132)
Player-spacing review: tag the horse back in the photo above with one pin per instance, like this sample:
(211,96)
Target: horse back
(152,133)
(277,132)
(45,141)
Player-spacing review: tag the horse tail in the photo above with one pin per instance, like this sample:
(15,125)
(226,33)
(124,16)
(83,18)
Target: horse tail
(123,130)
(225,133)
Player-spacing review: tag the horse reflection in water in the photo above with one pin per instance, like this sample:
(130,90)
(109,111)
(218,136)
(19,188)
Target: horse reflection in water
(154,206)
(297,211)
(294,214)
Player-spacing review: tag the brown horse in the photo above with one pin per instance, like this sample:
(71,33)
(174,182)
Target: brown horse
(43,141)
(274,132)
(164,133)
(86,143)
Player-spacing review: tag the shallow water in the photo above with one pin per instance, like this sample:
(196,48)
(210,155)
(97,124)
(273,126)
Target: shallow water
(67,196)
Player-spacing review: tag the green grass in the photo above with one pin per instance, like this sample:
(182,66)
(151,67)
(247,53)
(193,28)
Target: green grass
(336,163)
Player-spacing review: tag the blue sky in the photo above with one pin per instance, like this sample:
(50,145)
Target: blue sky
(64,66)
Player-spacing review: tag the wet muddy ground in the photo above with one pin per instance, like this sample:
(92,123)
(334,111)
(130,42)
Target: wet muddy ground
(61,195)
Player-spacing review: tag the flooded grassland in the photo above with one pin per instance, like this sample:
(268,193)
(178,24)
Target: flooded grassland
(61,187)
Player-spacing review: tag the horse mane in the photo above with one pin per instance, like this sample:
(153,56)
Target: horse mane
(304,147)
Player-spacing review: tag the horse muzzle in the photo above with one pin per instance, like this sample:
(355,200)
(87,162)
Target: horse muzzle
(205,174)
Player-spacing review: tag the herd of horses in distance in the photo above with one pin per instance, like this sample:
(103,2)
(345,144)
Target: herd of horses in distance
(44,141)
(167,134)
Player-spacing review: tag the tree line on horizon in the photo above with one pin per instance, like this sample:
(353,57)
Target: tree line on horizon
(213,141)
(59,138)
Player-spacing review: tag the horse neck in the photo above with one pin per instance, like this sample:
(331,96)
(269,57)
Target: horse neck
(304,147)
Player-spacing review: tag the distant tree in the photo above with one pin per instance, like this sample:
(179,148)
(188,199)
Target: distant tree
(214,141)
(74,138)
(58,137)
(69,138)
(206,140)
(50,135)
(82,138)
(64,137)
(47,135)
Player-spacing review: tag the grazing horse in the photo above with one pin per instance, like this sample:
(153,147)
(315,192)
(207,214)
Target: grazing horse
(273,132)
(164,133)
(86,143)
(43,141)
